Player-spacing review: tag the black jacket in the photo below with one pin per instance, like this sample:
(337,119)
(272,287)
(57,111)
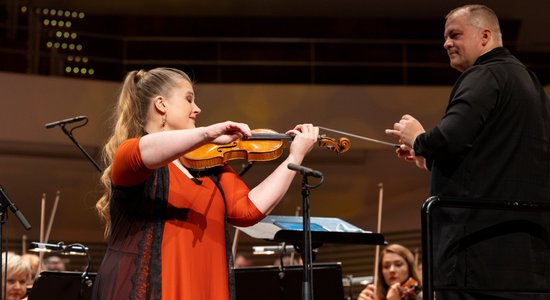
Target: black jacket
(494,139)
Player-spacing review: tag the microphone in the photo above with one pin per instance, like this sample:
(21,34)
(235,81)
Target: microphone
(65,121)
(305,171)
(5,201)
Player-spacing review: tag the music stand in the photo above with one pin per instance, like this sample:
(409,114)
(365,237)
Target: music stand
(289,229)
(62,286)
(275,283)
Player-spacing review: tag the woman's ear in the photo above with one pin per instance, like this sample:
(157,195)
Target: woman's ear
(159,104)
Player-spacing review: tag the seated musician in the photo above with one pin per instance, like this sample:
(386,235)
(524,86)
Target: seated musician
(400,279)
(18,274)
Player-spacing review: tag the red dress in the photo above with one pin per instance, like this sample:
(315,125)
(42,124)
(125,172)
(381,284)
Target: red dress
(193,253)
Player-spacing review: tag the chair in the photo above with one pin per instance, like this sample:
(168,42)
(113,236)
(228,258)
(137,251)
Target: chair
(478,246)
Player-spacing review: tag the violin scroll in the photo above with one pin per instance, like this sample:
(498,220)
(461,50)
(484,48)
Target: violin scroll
(340,146)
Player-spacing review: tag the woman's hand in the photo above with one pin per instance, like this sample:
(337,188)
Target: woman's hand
(305,137)
(226,132)
(395,292)
(272,189)
(367,293)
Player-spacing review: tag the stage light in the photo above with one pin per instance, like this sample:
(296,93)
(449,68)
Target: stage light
(23,9)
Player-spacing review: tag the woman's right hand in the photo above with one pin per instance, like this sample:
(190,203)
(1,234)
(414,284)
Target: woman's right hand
(367,293)
(226,132)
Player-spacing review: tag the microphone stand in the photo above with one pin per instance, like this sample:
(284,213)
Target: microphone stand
(307,287)
(70,135)
(6,203)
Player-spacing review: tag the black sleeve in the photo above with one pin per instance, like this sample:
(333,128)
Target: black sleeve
(472,102)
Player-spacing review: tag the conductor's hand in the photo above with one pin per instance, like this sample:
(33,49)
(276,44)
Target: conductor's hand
(406,130)
(226,132)
(407,153)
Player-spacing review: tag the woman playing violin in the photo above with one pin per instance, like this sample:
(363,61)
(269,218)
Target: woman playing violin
(400,277)
(166,225)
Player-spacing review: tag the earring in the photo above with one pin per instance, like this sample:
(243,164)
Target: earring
(163,120)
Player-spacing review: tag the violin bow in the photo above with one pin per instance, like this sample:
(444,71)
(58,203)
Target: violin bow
(360,137)
(378,229)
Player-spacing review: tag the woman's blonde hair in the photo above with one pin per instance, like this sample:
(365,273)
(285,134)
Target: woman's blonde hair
(15,265)
(381,286)
(137,92)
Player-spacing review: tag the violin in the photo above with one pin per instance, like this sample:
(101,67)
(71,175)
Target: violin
(409,289)
(262,145)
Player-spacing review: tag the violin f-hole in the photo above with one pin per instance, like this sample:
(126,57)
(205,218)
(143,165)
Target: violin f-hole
(228,146)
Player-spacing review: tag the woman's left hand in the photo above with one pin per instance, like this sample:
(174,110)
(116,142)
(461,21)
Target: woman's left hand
(394,292)
(306,135)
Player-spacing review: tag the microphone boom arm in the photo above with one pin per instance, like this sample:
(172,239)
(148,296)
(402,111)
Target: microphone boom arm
(62,124)
(90,158)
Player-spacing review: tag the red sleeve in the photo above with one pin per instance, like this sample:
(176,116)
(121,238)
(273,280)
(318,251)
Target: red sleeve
(128,168)
(241,210)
